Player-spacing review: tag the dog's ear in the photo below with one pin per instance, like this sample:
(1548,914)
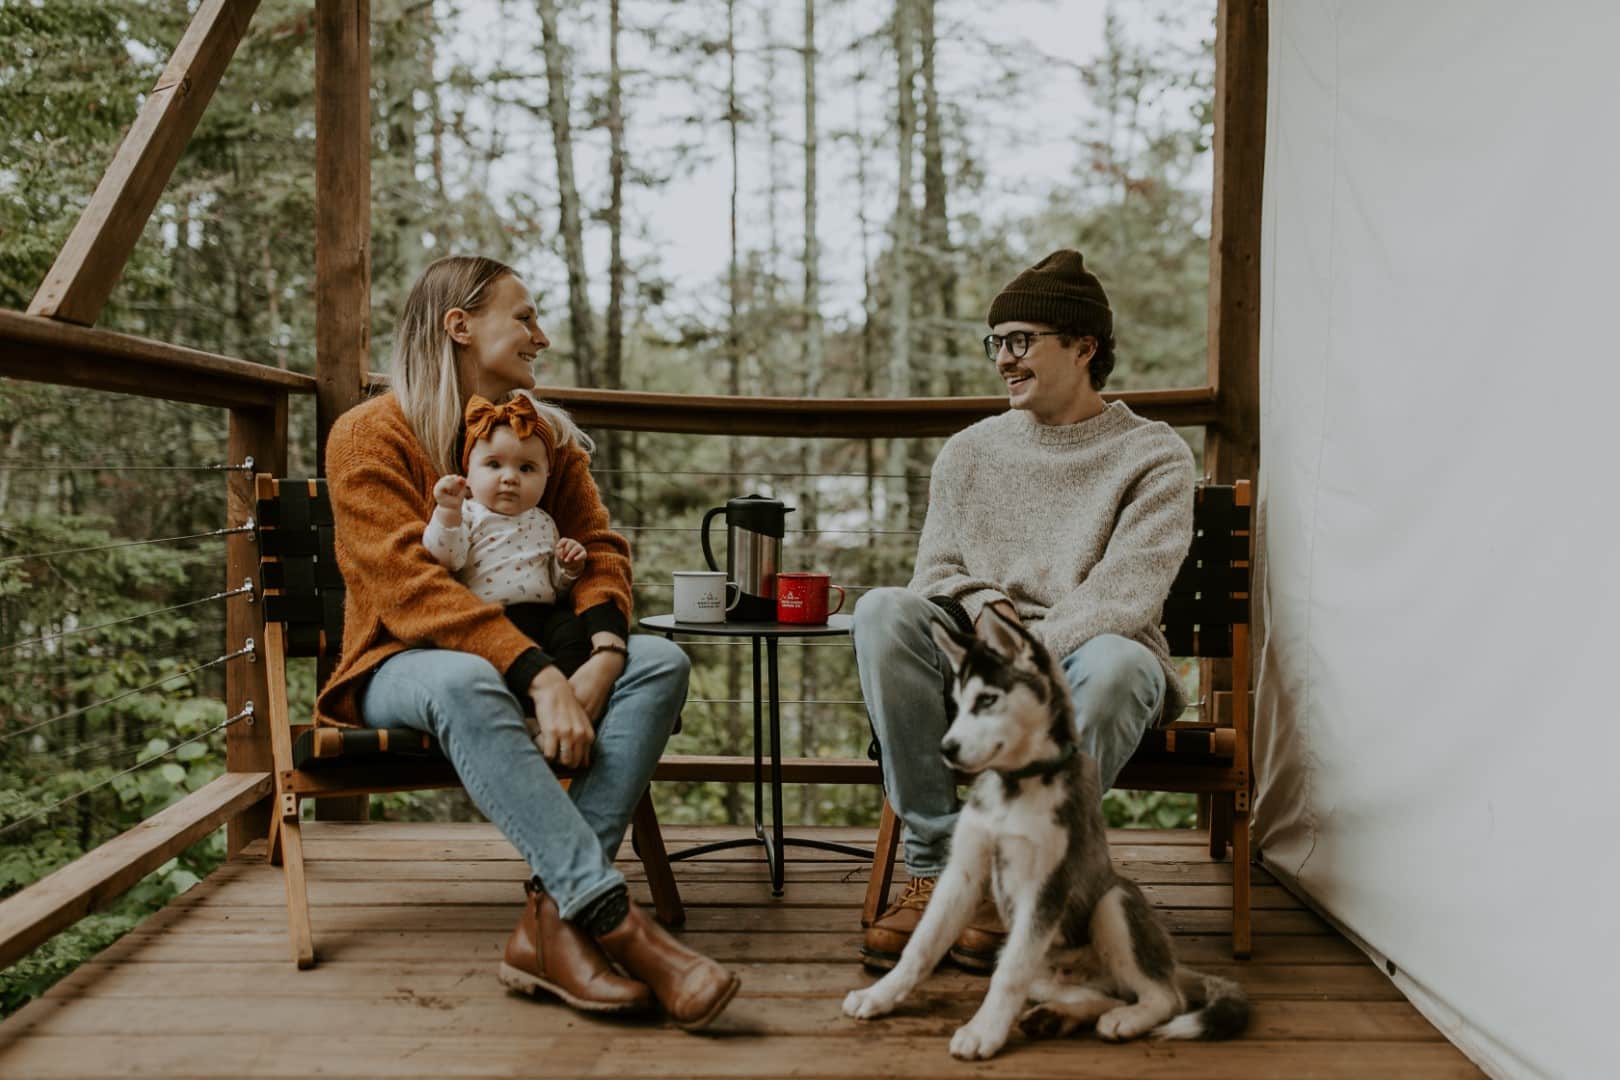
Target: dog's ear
(1004,634)
(952,644)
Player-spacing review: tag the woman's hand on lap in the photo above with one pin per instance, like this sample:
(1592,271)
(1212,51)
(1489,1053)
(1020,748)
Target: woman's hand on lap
(566,730)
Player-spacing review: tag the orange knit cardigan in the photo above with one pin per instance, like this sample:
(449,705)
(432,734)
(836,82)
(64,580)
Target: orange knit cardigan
(398,596)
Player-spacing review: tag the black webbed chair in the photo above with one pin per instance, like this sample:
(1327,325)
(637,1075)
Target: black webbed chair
(303,617)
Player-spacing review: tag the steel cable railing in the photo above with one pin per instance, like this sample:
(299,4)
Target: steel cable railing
(245,714)
(758,472)
(93,466)
(246,650)
(246,588)
(229,531)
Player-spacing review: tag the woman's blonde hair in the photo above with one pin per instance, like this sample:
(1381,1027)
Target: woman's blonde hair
(424,373)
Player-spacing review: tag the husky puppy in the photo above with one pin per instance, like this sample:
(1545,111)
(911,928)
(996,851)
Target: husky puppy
(1032,833)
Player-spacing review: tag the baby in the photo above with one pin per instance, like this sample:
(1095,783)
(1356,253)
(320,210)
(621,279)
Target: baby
(498,541)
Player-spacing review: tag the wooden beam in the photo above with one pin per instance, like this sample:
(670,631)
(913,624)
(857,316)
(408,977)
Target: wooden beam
(92,260)
(1232,446)
(843,418)
(1233,450)
(342,210)
(342,242)
(42,350)
(91,881)
(795,770)
(261,434)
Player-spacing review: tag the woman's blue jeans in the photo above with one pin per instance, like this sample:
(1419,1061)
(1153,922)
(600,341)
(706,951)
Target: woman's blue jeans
(1116,684)
(570,836)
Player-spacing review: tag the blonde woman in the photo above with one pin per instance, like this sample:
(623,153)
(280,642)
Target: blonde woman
(421,651)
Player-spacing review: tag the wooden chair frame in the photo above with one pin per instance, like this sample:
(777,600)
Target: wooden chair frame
(1223,773)
(374,775)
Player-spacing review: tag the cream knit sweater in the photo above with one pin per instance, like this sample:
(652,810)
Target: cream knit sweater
(1082,527)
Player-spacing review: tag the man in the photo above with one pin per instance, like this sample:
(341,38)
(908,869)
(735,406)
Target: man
(1068,513)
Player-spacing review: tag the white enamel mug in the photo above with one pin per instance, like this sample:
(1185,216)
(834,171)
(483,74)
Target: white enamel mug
(700,596)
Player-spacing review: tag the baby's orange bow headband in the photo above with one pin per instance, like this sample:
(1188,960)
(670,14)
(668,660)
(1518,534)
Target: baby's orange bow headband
(484,416)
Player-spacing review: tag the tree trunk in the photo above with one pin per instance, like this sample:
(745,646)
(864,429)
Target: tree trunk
(900,307)
(435,112)
(570,226)
(272,300)
(764,356)
(734,387)
(868,349)
(811,362)
(613,361)
(936,221)
(13,439)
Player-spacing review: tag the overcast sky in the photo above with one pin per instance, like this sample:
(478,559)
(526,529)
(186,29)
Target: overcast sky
(682,228)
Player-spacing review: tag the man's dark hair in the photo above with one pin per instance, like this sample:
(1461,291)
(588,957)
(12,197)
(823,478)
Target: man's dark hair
(1102,361)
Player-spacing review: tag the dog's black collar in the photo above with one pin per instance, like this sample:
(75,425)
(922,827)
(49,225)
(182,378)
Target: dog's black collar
(1045,767)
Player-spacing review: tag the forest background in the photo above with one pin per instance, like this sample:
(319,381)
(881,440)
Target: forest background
(759,197)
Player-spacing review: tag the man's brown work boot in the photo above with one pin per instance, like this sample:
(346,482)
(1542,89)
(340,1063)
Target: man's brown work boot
(887,936)
(547,952)
(692,988)
(980,941)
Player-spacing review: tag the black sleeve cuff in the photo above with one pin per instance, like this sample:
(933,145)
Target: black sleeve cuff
(530,662)
(606,616)
(953,607)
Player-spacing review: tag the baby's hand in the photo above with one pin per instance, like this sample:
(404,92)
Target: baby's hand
(450,491)
(570,555)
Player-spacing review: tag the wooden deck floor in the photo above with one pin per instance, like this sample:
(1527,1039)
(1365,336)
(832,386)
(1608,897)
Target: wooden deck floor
(410,920)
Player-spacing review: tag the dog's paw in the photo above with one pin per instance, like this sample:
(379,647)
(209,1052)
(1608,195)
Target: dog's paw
(1045,1022)
(975,1042)
(1120,1025)
(868,1003)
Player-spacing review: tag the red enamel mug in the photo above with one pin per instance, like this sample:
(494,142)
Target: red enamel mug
(802,598)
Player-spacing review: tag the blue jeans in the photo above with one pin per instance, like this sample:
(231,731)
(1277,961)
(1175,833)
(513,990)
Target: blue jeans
(1116,684)
(567,836)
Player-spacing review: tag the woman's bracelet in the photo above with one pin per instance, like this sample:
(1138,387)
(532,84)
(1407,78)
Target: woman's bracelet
(620,649)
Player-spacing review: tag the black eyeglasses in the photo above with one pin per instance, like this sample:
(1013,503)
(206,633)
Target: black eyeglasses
(1017,342)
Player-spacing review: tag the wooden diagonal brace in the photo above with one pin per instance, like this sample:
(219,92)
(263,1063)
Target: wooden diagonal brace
(92,260)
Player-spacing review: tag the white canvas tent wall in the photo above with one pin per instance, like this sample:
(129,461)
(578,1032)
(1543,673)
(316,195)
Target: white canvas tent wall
(1437,737)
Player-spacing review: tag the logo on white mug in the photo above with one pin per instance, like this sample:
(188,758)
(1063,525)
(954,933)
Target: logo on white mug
(700,596)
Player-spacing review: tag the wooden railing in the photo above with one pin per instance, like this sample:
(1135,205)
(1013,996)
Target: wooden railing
(37,349)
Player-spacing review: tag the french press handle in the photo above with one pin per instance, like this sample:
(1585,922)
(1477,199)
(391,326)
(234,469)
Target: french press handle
(708,552)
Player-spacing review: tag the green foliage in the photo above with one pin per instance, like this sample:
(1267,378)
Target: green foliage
(1149,809)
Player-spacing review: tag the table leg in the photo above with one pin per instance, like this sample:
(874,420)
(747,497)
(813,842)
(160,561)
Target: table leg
(773,840)
(779,855)
(760,836)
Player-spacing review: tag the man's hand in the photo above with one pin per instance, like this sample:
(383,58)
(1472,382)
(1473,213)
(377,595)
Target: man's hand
(566,731)
(1003,606)
(593,681)
(570,555)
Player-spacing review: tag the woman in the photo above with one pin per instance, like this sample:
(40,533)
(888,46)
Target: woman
(420,651)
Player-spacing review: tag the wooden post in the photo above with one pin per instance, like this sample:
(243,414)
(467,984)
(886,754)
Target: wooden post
(1232,445)
(1233,449)
(92,260)
(259,433)
(342,238)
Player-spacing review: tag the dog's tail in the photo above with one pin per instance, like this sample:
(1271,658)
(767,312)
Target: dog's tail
(1217,1008)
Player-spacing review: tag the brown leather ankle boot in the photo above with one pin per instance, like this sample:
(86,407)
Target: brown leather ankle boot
(547,952)
(692,988)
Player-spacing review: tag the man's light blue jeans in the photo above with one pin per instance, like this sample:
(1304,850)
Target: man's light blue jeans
(1116,684)
(568,837)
